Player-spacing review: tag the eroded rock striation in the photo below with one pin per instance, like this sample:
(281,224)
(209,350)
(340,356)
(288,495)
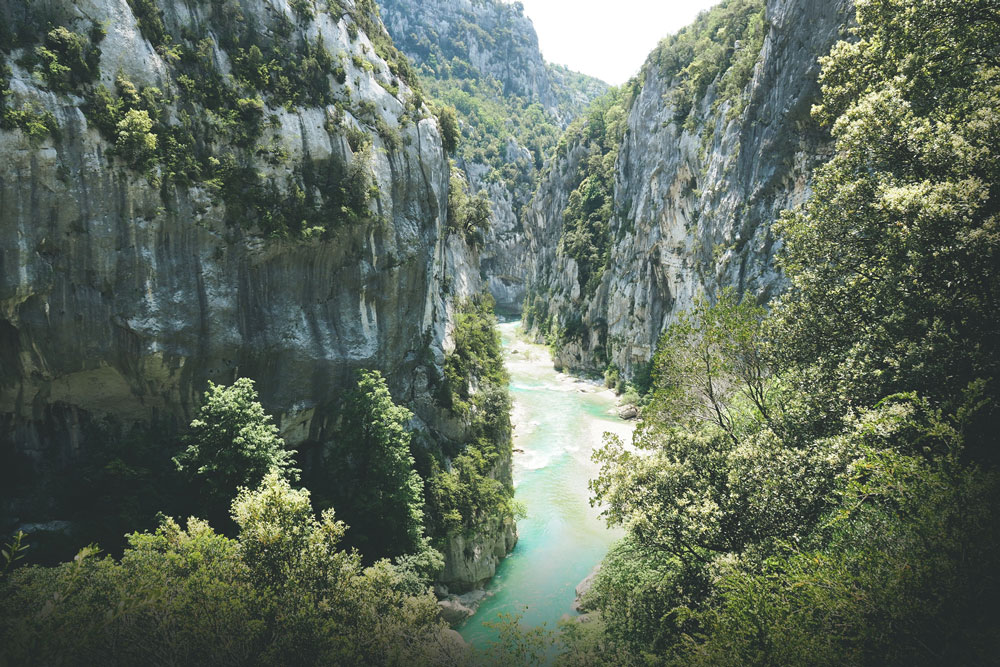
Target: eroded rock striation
(304,238)
(698,184)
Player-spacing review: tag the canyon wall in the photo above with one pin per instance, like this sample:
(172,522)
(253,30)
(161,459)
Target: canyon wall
(492,45)
(695,194)
(308,240)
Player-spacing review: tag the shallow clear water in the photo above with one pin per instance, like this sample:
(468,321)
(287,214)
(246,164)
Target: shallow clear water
(558,422)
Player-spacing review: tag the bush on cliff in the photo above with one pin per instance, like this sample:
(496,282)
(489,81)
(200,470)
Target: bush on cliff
(232,444)
(819,485)
(369,475)
(474,490)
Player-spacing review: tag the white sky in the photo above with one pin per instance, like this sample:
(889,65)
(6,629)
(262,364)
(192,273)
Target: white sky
(609,39)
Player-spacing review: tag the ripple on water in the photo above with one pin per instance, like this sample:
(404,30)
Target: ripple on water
(559,421)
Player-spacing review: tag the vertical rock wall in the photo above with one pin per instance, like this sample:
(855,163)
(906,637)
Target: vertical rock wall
(693,207)
(122,293)
(493,41)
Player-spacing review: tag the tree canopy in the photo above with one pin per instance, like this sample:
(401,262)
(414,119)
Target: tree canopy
(233,443)
(373,482)
(282,592)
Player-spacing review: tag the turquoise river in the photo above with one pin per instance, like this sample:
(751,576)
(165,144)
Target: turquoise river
(558,421)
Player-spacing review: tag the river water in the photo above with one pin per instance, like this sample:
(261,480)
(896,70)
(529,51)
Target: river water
(558,421)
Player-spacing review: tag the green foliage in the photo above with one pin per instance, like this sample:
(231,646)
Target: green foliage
(487,119)
(704,52)
(26,23)
(11,553)
(474,490)
(477,352)
(711,363)
(818,486)
(282,541)
(287,77)
(366,15)
(469,216)
(906,577)
(29,119)
(586,235)
(233,443)
(515,645)
(370,473)
(65,60)
(211,128)
(450,133)
(134,140)
(68,59)
(149,16)
(303,9)
(283,592)
(893,261)
(321,195)
(493,119)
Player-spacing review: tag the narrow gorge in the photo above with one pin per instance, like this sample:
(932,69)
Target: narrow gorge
(358,332)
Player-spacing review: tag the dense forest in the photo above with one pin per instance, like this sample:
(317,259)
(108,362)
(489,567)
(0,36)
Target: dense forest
(814,475)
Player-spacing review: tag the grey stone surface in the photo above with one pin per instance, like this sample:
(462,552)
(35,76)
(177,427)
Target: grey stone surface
(499,42)
(119,298)
(690,222)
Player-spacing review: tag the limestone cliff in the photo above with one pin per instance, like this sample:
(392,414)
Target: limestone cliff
(483,57)
(201,191)
(704,169)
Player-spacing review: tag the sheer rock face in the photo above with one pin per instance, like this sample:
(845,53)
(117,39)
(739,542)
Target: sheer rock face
(503,259)
(693,215)
(495,38)
(497,41)
(123,298)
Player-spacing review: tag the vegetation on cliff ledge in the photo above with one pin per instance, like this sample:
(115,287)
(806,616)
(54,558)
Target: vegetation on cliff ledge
(268,578)
(478,487)
(215,120)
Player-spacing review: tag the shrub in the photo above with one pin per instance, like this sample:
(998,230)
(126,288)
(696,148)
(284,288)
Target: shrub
(135,142)
(369,474)
(450,133)
(283,592)
(69,59)
(232,443)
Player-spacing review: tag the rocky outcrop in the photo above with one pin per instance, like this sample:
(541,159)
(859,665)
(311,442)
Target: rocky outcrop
(124,290)
(503,258)
(123,296)
(471,559)
(694,202)
(579,602)
(550,272)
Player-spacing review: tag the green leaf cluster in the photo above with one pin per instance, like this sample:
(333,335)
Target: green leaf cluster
(586,230)
(722,45)
(369,473)
(65,60)
(470,216)
(818,484)
(282,592)
(474,489)
(233,443)
(68,59)
(209,127)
